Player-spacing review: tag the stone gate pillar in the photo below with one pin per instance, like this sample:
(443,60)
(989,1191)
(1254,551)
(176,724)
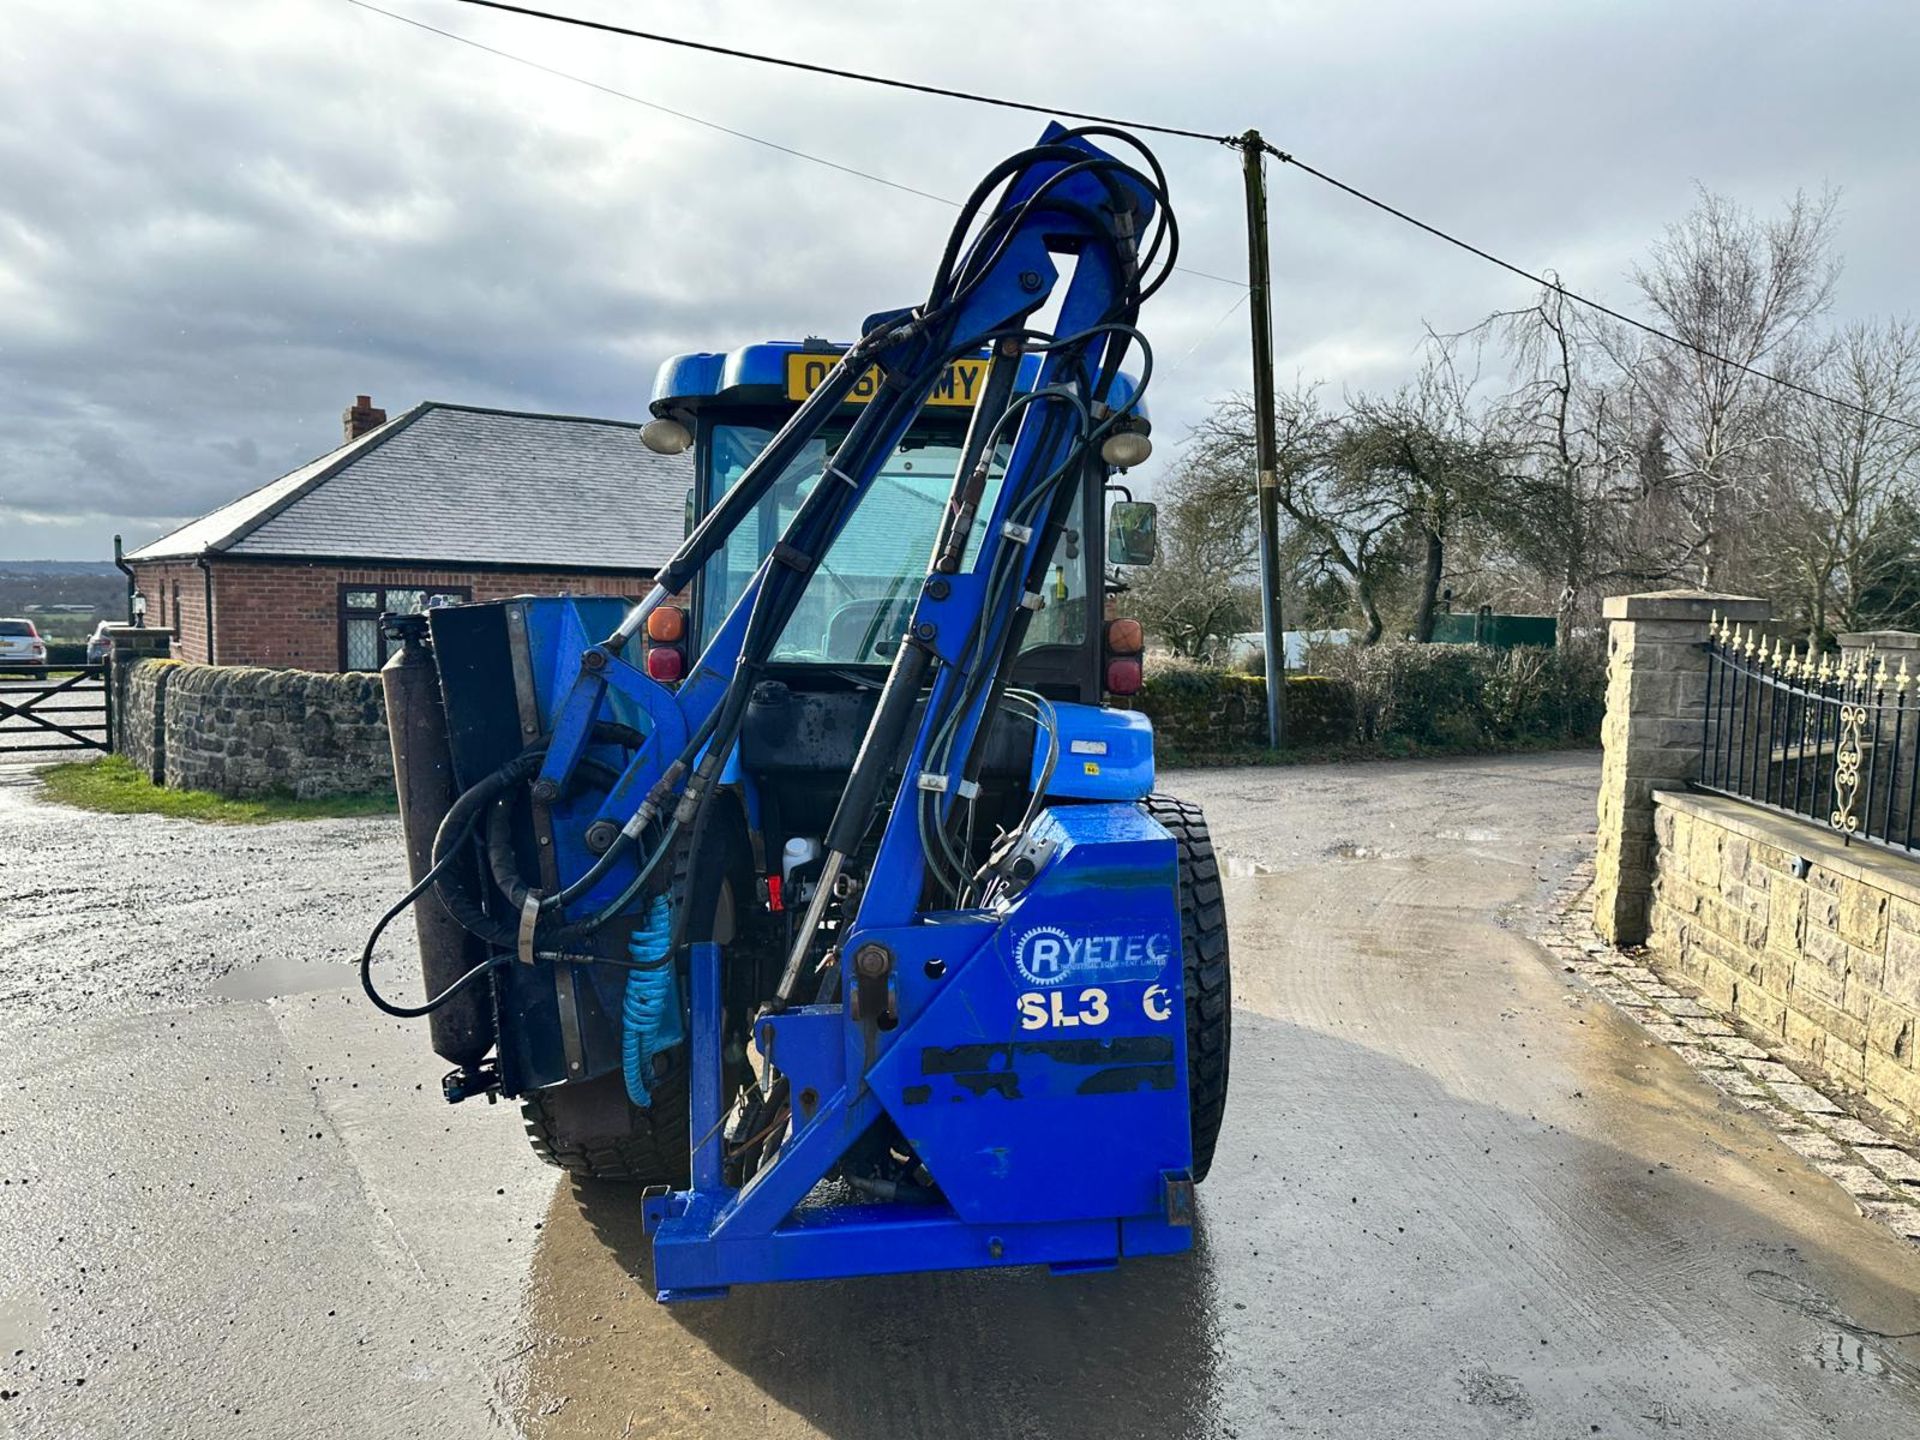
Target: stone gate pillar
(1656,704)
(136,722)
(1893,646)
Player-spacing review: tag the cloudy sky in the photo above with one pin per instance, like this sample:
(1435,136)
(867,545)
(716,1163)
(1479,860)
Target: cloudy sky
(220,219)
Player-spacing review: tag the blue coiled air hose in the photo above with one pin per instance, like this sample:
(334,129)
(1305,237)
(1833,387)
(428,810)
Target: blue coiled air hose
(651,1016)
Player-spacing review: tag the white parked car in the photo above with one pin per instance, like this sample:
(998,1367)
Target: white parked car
(21,648)
(98,642)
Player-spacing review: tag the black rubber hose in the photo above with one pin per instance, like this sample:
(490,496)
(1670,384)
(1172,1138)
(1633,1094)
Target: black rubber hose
(457,827)
(505,865)
(426,882)
(616,906)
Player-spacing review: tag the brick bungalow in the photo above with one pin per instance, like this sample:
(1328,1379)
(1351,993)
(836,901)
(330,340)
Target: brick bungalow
(445,500)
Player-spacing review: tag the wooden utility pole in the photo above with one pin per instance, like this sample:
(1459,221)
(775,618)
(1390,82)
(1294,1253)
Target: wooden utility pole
(1265,443)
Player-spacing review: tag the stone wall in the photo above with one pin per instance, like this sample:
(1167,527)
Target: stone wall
(1796,933)
(139,720)
(134,711)
(243,732)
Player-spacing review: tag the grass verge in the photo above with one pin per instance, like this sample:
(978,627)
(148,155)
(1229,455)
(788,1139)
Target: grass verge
(113,786)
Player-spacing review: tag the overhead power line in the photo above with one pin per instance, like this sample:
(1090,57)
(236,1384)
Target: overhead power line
(783,61)
(713,125)
(1548,283)
(655,105)
(1234,141)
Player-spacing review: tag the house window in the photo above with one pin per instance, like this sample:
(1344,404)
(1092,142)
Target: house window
(362,644)
(176,607)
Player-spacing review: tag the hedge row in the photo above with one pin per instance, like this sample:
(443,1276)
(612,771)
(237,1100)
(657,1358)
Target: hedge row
(1471,696)
(1429,696)
(1198,709)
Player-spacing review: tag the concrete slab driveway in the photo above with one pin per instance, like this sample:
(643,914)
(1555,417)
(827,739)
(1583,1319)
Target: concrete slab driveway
(1457,1194)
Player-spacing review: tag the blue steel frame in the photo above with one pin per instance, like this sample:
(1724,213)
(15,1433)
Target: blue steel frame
(1034,1051)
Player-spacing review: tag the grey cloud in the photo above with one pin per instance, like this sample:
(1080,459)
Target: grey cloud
(218,223)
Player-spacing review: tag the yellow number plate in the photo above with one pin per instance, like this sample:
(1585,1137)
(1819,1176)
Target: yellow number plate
(960,386)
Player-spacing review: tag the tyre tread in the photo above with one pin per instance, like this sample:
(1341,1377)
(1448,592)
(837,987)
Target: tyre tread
(1206,973)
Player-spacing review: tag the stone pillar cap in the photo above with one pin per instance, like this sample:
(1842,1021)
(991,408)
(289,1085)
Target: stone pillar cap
(1686,605)
(1881,639)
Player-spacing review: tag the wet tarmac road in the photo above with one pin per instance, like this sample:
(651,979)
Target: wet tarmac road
(1456,1194)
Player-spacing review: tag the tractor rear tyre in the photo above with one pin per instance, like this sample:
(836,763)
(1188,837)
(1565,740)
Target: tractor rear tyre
(591,1128)
(1207,980)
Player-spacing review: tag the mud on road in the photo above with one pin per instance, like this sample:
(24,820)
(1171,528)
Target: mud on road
(1456,1193)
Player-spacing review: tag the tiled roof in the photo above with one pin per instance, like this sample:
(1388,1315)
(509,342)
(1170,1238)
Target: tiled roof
(456,484)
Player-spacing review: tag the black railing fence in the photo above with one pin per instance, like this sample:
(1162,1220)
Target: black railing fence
(1833,739)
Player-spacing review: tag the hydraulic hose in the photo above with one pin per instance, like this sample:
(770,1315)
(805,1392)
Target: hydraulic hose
(456,828)
(399,907)
(651,1019)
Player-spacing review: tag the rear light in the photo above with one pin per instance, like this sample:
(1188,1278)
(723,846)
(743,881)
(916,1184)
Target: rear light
(665,664)
(1124,637)
(1124,641)
(666,650)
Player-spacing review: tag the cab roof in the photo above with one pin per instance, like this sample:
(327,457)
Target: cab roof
(765,374)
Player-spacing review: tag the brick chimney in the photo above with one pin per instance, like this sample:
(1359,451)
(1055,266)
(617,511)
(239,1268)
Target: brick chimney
(360,417)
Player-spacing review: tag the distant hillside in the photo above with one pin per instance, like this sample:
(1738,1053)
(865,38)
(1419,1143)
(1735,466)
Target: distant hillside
(57,567)
(27,587)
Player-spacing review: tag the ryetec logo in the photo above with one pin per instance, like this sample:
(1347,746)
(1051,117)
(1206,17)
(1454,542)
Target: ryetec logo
(1049,955)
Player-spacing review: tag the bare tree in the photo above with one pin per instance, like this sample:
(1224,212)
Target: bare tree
(1575,464)
(1735,290)
(1201,590)
(1842,513)
(1370,491)
(1339,528)
(1425,456)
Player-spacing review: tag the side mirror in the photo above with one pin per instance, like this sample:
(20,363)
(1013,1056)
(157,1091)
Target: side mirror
(1132,532)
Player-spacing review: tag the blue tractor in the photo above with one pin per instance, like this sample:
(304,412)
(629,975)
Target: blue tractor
(820,894)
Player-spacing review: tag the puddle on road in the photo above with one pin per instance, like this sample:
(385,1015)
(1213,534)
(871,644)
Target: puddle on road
(1470,836)
(1352,850)
(1848,1348)
(292,974)
(1848,1355)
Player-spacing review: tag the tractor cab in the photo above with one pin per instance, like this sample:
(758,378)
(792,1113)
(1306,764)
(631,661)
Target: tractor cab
(726,407)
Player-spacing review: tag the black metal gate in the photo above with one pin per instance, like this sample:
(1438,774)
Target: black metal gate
(66,711)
